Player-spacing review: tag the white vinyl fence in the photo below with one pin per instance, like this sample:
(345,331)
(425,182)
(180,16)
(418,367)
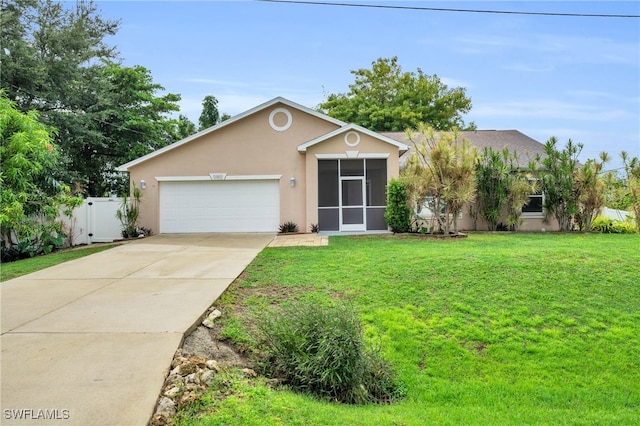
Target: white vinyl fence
(620,215)
(95,221)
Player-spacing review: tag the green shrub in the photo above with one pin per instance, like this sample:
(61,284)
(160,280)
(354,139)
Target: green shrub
(320,350)
(288,227)
(606,225)
(398,213)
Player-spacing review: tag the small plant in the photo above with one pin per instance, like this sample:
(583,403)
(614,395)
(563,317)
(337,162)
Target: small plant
(129,212)
(288,227)
(315,228)
(320,350)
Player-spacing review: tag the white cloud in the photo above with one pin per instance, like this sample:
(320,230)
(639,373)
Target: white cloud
(549,108)
(528,68)
(563,48)
(454,82)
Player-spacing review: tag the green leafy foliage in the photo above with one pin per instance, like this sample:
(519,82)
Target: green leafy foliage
(502,188)
(128,214)
(55,60)
(398,213)
(606,225)
(288,227)
(384,98)
(210,116)
(319,349)
(558,182)
(589,191)
(440,173)
(30,198)
(632,184)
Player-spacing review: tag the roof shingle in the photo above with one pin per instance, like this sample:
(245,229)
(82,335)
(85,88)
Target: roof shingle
(525,147)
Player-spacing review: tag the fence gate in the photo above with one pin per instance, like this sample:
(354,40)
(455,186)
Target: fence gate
(95,221)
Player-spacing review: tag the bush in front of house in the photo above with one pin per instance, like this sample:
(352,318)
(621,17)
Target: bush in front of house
(398,213)
(606,225)
(320,350)
(288,227)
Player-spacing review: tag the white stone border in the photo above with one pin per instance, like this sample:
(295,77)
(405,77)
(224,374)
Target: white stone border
(346,138)
(280,128)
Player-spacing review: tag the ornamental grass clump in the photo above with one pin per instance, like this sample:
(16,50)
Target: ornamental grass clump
(320,350)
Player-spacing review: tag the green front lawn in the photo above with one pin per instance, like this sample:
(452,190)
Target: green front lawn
(21,267)
(492,329)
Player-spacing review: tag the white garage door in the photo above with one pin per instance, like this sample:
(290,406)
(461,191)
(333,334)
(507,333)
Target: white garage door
(219,206)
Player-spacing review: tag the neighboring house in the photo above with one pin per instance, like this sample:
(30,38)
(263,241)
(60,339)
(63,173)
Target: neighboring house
(526,149)
(275,163)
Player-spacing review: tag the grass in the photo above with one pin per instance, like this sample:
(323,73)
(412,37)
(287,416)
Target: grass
(21,267)
(498,329)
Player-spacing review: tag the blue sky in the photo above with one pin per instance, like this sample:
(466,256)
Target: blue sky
(569,77)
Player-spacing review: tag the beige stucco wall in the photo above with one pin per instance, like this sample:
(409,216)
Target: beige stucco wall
(529,223)
(336,147)
(249,146)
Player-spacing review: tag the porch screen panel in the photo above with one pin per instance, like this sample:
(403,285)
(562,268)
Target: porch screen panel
(328,183)
(376,183)
(328,195)
(352,216)
(376,194)
(375,219)
(329,219)
(351,168)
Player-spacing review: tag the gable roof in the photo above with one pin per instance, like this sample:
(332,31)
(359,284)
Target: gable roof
(279,99)
(350,127)
(525,147)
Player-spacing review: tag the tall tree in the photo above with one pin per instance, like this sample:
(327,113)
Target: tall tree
(589,191)
(632,184)
(51,62)
(132,119)
(55,60)
(384,98)
(48,50)
(558,182)
(210,115)
(441,173)
(184,127)
(503,187)
(29,197)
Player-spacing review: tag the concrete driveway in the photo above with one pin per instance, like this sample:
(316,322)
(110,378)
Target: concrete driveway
(89,342)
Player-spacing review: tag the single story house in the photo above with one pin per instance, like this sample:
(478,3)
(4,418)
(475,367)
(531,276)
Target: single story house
(282,162)
(278,162)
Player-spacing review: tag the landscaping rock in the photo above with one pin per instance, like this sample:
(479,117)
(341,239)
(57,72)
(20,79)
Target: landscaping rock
(213,365)
(172,392)
(187,398)
(200,343)
(207,377)
(161,420)
(247,372)
(166,406)
(214,315)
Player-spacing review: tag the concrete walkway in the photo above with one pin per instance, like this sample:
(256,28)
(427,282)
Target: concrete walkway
(294,240)
(89,342)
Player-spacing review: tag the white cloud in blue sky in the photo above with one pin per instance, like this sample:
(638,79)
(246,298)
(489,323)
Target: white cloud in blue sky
(567,77)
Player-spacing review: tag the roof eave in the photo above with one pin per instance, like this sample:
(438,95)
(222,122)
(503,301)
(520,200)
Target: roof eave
(401,146)
(125,167)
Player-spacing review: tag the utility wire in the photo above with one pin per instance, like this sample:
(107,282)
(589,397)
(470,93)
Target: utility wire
(441,9)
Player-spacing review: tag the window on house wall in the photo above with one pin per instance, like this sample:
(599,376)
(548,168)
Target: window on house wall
(535,207)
